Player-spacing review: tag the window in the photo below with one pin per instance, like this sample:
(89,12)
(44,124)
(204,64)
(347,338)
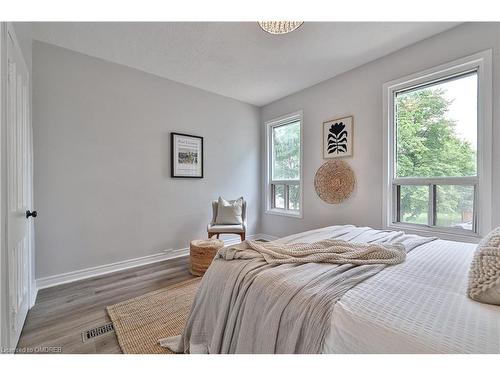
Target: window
(439,150)
(284,159)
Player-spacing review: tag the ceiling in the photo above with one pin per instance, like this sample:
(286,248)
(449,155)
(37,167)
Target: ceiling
(238,59)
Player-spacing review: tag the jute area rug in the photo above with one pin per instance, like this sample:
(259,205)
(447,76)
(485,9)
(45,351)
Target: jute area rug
(140,322)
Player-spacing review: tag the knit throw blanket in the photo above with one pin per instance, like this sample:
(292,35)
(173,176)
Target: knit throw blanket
(326,251)
(274,298)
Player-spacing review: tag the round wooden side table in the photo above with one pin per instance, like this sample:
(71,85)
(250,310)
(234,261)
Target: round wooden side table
(202,252)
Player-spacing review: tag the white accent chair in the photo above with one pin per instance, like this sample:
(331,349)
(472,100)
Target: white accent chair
(218,229)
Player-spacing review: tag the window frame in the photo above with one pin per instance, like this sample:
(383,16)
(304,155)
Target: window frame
(269,182)
(480,62)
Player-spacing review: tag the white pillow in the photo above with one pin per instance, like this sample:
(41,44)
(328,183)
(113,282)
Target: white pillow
(229,212)
(484,276)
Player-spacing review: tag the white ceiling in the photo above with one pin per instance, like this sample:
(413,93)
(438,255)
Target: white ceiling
(238,59)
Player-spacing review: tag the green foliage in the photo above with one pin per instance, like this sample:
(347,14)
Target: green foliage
(452,202)
(286,149)
(414,204)
(428,146)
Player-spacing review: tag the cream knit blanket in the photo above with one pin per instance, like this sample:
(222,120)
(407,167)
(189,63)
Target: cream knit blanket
(278,298)
(326,251)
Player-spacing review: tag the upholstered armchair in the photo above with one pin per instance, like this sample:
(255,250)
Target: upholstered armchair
(218,229)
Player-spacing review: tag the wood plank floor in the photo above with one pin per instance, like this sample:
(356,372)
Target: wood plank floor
(62,313)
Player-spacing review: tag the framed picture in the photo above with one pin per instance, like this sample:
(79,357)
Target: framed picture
(337,137)
(186,156)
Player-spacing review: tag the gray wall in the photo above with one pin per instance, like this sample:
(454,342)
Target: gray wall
(102,161)
(359,93)
(102,183)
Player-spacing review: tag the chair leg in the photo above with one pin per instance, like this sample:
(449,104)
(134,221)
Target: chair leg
(210,235)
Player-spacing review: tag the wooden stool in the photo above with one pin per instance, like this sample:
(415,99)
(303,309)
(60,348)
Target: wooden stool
(202,252)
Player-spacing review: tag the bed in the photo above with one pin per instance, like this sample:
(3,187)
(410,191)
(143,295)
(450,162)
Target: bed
(419,306)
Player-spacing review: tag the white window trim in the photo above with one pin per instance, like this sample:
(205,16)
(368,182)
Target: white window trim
(298,115)
(482,62)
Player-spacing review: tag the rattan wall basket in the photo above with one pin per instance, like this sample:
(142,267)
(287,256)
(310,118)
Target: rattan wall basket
(334,181)
(202,252)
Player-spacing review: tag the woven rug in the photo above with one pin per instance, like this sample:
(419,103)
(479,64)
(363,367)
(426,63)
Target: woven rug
(140,322)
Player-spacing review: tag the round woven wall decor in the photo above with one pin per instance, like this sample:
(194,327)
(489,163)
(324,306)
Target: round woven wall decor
(334,181)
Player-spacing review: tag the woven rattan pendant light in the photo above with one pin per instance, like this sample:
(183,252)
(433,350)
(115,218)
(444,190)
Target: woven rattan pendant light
(280,27)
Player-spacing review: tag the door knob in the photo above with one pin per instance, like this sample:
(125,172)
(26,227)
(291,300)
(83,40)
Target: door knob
(30,213)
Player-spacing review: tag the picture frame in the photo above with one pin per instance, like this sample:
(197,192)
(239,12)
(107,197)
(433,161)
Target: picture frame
(186,156)
(338,137)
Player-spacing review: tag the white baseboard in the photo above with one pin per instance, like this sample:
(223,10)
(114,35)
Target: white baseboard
(69,277)
(34,293)
(266,237)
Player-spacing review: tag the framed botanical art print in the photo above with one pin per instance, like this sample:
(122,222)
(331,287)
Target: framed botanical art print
(186,156)
(337,137)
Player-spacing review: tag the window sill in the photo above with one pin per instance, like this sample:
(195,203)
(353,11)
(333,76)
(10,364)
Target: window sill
(289,213)
(436,232)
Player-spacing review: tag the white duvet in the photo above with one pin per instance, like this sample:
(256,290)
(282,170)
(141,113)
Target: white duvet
(419,306)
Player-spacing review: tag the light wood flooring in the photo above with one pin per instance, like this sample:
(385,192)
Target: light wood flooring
(62,313)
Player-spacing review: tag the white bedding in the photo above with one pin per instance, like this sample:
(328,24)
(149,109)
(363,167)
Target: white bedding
(419,306)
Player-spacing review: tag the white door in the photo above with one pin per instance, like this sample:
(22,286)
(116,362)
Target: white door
(19,189)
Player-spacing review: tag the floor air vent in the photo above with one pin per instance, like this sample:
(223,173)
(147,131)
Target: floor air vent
(98,331)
